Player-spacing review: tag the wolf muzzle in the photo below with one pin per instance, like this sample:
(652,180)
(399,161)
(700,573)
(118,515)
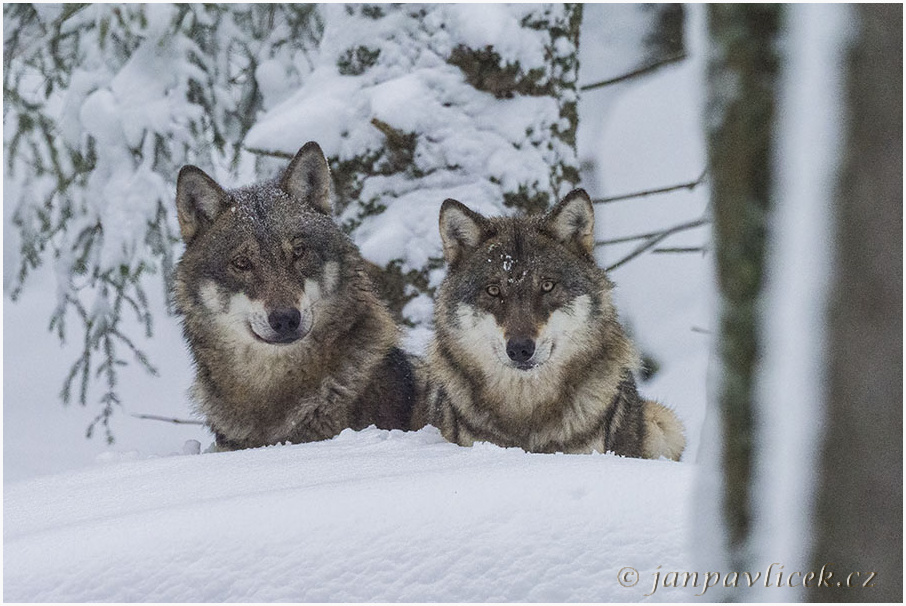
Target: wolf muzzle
(520,350)
(285,323)
(280,327)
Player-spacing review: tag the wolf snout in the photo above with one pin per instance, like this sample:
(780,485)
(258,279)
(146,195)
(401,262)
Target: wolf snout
(284,320)
(285,324)
(520,350)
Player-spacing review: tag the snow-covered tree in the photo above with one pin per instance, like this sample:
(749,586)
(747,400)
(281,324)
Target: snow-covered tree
(102,105)
(417,103)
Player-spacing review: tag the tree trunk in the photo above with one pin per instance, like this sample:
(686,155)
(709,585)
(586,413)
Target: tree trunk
(742,95)
(859,525)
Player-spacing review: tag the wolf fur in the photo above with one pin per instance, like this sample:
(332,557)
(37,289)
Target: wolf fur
(289,341)
(528,350)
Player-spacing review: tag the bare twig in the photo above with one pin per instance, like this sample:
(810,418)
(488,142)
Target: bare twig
(653,234)
(700,330)
(627,238)
(637,72)
(169,419)
(653,240)
(660,190)
(679,249)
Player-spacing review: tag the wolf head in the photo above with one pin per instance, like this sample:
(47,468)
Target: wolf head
(261,260)
(522,293)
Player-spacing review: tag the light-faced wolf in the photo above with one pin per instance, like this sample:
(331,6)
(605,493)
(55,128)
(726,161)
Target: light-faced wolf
(289,341)
(528,351)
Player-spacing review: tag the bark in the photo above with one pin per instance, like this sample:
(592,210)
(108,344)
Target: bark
(859,525)
(742,96)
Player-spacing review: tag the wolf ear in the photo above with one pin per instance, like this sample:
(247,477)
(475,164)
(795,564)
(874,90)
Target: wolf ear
(460,229)
(572,221)
(199,200)
(308,178)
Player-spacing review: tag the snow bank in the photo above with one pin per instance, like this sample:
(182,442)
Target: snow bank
(373,515)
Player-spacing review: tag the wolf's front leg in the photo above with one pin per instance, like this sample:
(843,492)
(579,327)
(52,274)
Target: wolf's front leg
(323,415)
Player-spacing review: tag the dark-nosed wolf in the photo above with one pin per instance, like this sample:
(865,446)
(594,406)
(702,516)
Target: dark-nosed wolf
(290,342)
(528,350)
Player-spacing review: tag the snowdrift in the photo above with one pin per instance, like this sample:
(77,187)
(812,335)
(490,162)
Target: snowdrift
(367,516)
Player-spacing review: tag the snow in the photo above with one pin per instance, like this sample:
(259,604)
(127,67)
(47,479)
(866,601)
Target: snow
(368,516)
(497,26)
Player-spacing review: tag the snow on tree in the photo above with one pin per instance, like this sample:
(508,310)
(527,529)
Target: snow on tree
(102,105)
(413,104)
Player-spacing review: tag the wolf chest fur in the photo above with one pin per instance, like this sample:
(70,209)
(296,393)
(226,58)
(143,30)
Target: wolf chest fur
(289,341)
(528,349)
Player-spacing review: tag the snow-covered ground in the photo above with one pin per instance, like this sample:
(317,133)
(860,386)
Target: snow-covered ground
(374,515)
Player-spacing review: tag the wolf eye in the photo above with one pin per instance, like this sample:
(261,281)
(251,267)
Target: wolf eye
(242,263)
(298,247)
(493,290)
(547,286)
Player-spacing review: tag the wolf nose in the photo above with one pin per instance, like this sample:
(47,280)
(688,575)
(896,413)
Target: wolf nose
(520,350)
(284,321)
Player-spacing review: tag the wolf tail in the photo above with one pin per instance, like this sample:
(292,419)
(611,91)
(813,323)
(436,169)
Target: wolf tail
(664,433)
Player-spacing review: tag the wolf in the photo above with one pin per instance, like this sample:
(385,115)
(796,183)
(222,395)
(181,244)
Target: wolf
(289,340)
(528,350)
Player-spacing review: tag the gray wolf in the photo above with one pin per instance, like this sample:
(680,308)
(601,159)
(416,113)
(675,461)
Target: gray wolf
(289,340)
(528,350)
